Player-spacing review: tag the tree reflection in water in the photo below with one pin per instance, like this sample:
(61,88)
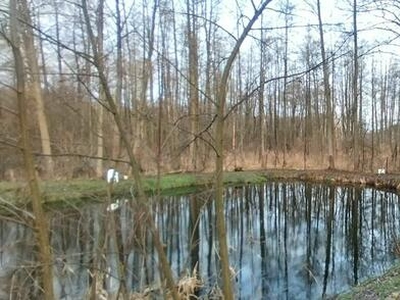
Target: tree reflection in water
(286,241)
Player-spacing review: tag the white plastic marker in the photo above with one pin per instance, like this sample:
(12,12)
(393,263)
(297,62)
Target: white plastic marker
(116,205)
(381,171)
(112,176)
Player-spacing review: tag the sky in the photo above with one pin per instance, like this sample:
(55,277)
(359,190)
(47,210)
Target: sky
(333,12)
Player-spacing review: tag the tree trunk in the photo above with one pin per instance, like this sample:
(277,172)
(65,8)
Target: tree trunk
(285,73)
(100,142)
(356,154)
(31,55)
(219,148)
(40,221)
(261,110)
(327,93)
(100,108)
(141,196)
(120,76)
(373,114)
(193,83)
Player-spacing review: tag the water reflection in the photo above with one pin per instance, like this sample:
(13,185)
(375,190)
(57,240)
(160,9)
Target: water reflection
(286,241)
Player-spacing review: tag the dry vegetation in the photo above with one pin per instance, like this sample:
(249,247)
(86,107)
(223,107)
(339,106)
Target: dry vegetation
(385,287)
(140,89)
(281,122)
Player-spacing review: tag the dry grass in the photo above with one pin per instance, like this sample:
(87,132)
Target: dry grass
(248,160)
(186,287)
(296,160)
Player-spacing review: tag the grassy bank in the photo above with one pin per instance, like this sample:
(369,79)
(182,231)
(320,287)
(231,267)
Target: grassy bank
(385,287)
(76,191)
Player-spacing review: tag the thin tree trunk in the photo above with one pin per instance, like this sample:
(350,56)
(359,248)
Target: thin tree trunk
(42,57)
(31,55)
(327,93)
(40,221)
(373,113)
(356,160)
(118,91)
(100,109)
(219,147)
(285,73)
(59,55)
(142,199)
(147,67)
(100,141)
(261,110)
(193,82)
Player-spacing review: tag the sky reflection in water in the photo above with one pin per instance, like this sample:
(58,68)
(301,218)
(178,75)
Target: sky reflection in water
(286,241)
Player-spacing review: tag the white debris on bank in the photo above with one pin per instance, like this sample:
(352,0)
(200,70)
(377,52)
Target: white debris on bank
(116,205)
(381,171)
(112,176)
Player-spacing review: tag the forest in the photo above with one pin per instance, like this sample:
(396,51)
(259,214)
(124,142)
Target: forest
(315,85)
(156,87)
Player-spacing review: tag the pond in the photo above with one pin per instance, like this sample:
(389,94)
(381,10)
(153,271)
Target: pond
(286,241)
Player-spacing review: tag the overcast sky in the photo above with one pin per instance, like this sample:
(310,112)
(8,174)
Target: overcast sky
(304,13)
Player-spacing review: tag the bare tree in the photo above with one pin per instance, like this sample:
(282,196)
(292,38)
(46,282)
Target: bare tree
(35,83)
(193,83)
(288,11)
(327,93)
(219,148)
(40,221)
(261,98)
(356,125)
(100,108)
(164,265)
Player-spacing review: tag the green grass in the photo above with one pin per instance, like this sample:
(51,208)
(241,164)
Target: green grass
(78,190)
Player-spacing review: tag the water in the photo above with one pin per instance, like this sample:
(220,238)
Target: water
(286,241)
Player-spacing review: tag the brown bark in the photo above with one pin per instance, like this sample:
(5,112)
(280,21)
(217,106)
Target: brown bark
(327,93)
(261,112)
(142,199)
(32,59)
(356,147)
(193,82)
(219,148)
(100,142)
(285,74)
(146,67)
(120,77)
(100,109)
(40,223)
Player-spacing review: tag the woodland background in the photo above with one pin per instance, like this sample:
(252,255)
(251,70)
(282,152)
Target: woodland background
(312,87)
